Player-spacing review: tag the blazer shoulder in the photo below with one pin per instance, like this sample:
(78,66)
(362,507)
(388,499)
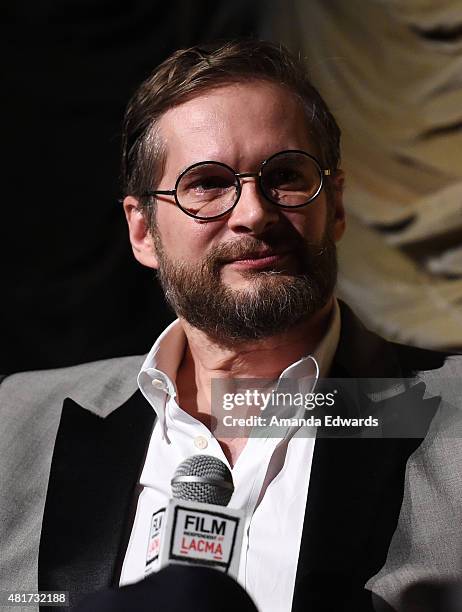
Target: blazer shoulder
(31,405)
(366,354)
(99,386)
(414,360)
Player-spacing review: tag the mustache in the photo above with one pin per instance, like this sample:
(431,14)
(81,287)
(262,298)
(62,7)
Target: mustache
(249,246)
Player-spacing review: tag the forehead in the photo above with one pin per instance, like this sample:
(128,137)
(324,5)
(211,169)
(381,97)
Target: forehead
(239,122)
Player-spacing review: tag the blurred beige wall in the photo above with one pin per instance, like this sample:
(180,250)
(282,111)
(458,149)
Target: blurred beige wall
(392,74)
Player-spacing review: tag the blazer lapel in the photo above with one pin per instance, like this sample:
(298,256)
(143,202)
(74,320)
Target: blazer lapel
(95,468)
(355,491)
(354,498)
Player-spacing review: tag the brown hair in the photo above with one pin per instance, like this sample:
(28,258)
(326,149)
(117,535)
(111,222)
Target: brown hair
(189,72)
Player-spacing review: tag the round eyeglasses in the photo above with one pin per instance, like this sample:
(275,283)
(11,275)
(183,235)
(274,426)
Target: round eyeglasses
(209,189)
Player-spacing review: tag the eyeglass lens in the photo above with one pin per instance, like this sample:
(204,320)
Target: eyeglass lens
(207,190)
(211,189)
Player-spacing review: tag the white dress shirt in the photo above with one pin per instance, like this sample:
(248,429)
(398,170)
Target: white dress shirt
(271,475)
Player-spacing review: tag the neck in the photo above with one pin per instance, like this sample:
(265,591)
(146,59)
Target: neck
(264,358)
(205,360)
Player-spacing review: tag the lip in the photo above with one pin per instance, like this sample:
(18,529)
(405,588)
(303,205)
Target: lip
(259,260)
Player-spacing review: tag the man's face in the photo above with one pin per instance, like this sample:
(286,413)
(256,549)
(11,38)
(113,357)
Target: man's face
(260,269)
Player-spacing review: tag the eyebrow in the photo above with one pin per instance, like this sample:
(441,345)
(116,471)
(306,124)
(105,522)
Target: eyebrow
(183,169)
(201,161)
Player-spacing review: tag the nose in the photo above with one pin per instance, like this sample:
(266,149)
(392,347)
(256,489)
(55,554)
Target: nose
(253,214)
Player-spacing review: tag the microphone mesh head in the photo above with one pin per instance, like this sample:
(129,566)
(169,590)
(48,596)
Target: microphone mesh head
(208,468)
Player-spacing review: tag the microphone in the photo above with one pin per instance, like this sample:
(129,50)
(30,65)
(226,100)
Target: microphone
(196,528)
(202,478)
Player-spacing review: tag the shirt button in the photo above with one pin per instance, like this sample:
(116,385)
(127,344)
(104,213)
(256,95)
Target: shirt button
(157,383)
(200,442)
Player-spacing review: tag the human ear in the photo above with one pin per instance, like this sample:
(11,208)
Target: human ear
(140,235)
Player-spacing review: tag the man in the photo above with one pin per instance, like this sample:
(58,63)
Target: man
(234,195)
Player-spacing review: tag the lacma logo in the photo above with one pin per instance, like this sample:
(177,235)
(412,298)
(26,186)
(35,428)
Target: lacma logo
(204,535)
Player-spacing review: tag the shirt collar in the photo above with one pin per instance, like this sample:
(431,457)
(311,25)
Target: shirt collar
(157,376)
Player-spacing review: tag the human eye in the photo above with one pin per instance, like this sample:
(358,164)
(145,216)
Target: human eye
(207,182)
(210,183)
(285,178)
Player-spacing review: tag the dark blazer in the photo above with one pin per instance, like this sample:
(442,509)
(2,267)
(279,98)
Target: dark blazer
(354,501)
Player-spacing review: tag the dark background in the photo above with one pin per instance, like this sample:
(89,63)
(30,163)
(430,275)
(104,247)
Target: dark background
(72,291)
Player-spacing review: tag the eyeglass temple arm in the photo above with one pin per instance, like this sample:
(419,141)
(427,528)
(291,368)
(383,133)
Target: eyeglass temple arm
(160,192)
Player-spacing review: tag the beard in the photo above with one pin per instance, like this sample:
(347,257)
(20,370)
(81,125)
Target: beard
(273,302)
